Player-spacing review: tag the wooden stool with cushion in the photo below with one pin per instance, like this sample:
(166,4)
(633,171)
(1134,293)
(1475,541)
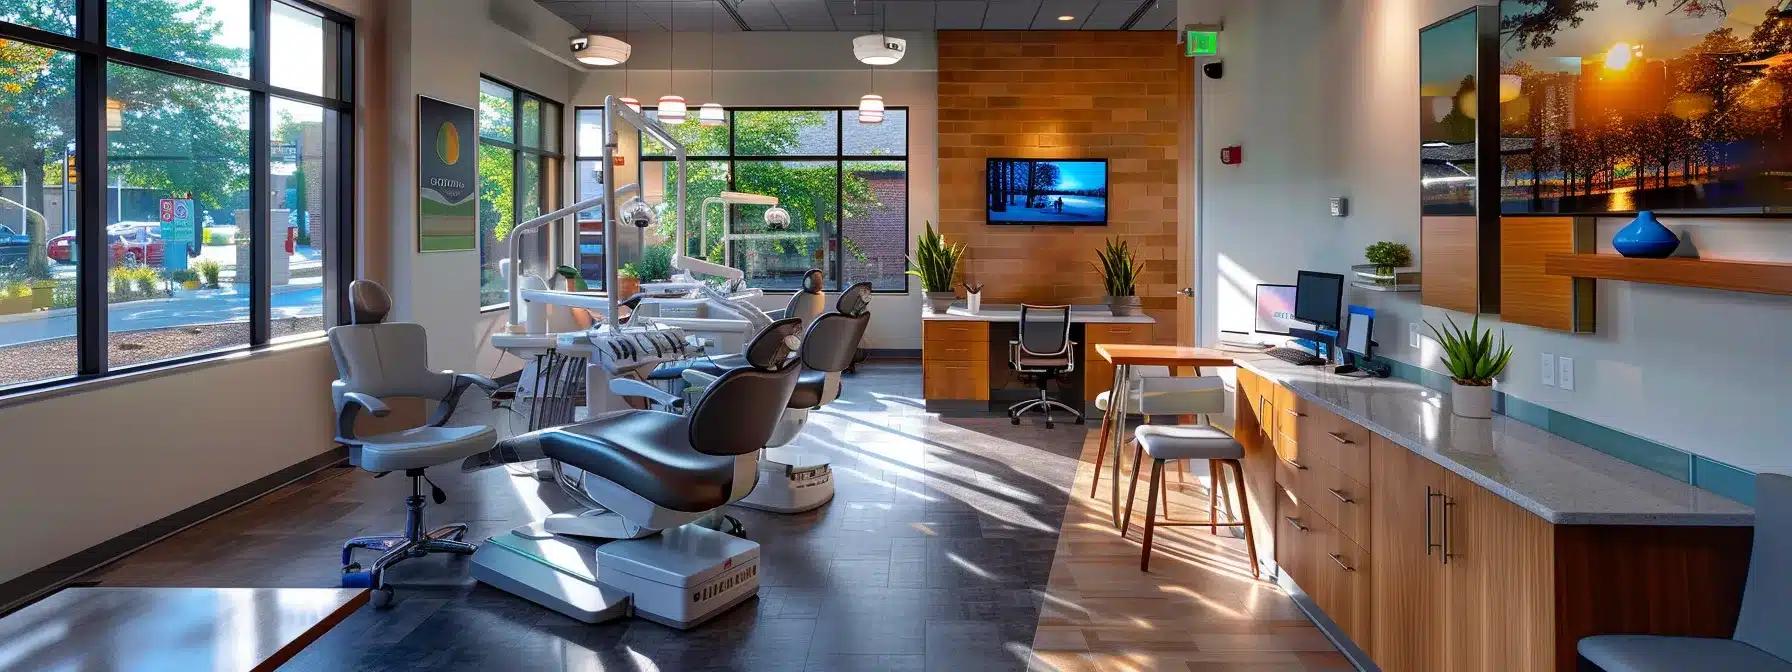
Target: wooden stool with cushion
(1186,442)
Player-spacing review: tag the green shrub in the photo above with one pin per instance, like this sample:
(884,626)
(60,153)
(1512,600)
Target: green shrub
(182,275)
(18,289)
(147,279)
(656,263)
(209,269)
(64,295)
(217,237)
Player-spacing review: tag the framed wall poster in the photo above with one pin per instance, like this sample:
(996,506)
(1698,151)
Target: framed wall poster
(447,177)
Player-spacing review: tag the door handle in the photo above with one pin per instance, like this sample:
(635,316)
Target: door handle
(1340,560)
(1296,523)
(1429,494)
(1187,291)
(1345,498)
(1339,438)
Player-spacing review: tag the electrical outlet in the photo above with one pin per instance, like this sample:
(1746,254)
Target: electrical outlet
(1565,373)
(1412,335)
(1549,369)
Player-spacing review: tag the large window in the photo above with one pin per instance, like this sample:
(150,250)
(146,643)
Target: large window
(844,184)
(519,170)
(172,180)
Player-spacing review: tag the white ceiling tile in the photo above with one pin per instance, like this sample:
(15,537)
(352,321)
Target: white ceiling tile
(1154,18)
(1010,14)
(908,15)
(804,14)
(761,15)
(1110,15)
(959,14)
(1049,11)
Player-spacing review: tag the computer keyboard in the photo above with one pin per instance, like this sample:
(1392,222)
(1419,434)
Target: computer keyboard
(1294,356)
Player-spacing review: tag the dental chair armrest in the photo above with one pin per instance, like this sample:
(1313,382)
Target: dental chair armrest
(627,387)
(352,405)
(696,378)
(776,314)
(446,406)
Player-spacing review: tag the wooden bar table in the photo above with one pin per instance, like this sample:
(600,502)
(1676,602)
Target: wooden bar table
(1124,357)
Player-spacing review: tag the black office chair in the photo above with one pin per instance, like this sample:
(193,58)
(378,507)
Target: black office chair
(1043,353)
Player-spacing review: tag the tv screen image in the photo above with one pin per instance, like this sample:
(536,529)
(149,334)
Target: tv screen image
(1037,191)
(1615,107)
(1448,61)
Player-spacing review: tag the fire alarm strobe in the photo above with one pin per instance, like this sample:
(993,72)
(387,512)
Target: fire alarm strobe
(1231,156)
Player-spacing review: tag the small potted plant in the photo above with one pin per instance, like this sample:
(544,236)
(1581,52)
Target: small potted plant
(935,262)
(1120,271)
(1473,362)
(1388,257)
(628,281)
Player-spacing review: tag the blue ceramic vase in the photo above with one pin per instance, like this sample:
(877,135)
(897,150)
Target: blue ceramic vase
(1646,238)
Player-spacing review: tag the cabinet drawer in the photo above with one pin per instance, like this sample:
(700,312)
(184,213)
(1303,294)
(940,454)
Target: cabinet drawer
(1295,540)
(1341,583)
(1335,496)
(959,332)
(1341,442)
(954,380)
(948,351)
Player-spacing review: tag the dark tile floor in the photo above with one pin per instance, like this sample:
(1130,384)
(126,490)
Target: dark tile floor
(933,556)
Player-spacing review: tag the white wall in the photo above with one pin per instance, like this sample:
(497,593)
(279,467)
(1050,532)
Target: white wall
(440,48)
(1320,96)
(801,69)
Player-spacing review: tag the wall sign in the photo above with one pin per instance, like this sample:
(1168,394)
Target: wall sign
(447,180)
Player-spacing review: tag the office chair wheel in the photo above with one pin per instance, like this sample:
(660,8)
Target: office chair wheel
(1048,424)
(1079,420)
(1014,418)
(381,597)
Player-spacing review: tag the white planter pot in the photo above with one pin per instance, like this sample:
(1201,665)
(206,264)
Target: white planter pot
(1471,401)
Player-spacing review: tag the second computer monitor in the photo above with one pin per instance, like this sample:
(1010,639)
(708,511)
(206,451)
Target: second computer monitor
(1318,298)
(1275,310)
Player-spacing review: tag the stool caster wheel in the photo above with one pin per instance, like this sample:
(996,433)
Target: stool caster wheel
(355,577)
(381,597)
(1014,419)
(1048,424)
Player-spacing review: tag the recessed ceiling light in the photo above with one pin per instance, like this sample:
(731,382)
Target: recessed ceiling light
(1066,18)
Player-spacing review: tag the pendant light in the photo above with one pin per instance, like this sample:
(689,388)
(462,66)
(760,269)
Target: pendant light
(630,103)
(710,114)
(672,107)
(871,106)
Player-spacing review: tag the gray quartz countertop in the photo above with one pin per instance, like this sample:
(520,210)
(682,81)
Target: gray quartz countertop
(1564,482)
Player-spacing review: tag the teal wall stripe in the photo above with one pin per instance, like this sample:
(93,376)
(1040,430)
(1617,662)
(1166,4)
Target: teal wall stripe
(1724,479)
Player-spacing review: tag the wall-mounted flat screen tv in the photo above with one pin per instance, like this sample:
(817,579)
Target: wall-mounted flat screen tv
(1072,192)
(1612,107)
(1449,157)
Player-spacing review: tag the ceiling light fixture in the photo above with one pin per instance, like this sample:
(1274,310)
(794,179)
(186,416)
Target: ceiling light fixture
(879,49)
(711,114)
(1067,17)
(627,101)
(672,108)
(871,105)
(599,50)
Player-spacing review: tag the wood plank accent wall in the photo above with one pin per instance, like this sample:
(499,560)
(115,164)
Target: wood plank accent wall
(1528,295)
(1064,95)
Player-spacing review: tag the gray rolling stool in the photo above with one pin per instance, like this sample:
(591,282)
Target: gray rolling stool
(1763,639)
(1186,442)
(379,360)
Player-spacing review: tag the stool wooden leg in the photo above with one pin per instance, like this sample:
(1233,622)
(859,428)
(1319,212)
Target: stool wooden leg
(1213,497)
(1157,481)
(1244,509)
(1101,450)
(1163,494)
(1182,471)
(1131,490)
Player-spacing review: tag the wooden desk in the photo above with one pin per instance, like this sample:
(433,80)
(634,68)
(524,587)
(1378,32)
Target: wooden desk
(171,628)
(964,355)
(1124,356)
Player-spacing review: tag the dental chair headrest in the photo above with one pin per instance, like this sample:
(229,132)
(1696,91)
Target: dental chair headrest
(773,344)
(812,281)
(368,302)
(856,300)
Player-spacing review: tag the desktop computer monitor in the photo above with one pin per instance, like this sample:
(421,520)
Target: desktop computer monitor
(1318,298)
(1359,325)
(1275,310)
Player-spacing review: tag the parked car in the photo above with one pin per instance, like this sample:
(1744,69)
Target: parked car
(132,242)
(14,246)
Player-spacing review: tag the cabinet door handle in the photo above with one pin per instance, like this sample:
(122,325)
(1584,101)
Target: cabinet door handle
(1295,413)
(1339,437)
(1446,545)
(1429,494)
(1297,466)
(1263,412)
(1345,498)
(1340,560)
(1296,523)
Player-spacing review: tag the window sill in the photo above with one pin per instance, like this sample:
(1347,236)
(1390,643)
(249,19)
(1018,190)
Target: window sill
(72,386)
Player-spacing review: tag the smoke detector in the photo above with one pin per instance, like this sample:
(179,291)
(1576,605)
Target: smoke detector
(879,49)
(599,50)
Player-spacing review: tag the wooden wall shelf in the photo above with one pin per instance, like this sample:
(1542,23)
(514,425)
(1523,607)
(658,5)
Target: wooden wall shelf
(1738,276)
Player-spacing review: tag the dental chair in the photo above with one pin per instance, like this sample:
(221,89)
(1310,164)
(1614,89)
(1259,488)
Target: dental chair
(652,483)
(380,360)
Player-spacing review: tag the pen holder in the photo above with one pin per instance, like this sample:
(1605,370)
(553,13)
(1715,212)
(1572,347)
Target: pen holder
(973,301)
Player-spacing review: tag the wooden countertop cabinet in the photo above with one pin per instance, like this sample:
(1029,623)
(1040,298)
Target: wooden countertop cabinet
(955,360)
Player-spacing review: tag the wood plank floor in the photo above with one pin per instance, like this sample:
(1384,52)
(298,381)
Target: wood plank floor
(1198,608)
(941,551)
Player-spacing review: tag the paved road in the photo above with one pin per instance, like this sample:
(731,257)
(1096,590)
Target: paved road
(204,307)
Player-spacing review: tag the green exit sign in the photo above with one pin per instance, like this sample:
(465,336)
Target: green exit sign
(1203,42)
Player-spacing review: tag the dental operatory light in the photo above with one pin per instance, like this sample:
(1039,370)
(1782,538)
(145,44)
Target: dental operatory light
(878,49)
(777,219)
(599,50)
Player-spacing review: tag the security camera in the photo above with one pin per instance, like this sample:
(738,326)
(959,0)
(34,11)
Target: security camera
(1214,70)
(637,212)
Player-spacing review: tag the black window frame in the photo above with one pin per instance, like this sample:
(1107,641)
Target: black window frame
(92,54)
(839,157)
(550,199)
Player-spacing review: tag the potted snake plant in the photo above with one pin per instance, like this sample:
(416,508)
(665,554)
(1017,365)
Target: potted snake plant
(1120,271)
(935,262)
(1473,362)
